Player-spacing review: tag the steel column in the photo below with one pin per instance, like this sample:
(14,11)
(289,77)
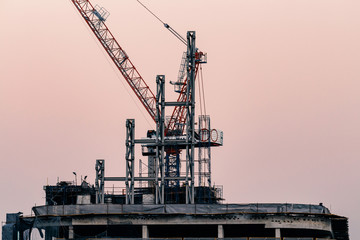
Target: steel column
(100,180)
(190,106)
(160,140)
(130,163)
(204,151)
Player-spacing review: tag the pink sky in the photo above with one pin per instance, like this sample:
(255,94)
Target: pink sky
(282,82)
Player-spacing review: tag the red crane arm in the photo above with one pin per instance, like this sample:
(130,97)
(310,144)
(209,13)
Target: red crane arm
(95,20)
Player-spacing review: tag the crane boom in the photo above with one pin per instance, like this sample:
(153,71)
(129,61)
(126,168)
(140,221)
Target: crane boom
(96,21)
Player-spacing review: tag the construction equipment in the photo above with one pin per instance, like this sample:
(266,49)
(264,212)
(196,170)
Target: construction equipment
(182,115)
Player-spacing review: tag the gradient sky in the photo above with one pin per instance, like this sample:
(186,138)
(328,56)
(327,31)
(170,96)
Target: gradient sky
(282,82)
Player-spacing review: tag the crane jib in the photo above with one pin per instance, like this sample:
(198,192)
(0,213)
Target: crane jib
(96,23)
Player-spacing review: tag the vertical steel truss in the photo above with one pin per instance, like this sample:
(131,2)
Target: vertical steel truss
(130,156)
(100,178)
(190,106)
(172,173)
(172,170)
(160,140)
(204,151)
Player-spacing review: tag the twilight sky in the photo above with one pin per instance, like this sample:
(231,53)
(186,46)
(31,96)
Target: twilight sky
(282,82)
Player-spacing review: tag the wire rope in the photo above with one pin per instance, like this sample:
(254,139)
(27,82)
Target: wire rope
(203,91)
(150,12)
(200,97)
(167,26)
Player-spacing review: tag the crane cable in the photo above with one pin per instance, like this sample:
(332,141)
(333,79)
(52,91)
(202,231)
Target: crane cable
(202,88)
(167,26)
(202,96)
(201,111)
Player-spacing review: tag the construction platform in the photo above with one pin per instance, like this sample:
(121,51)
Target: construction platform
(230,221)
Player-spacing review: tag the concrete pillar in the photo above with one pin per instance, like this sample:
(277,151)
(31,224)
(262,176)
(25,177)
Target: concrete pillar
(145,231)
(71,232)
(278,233)
(220,231)
(47,233)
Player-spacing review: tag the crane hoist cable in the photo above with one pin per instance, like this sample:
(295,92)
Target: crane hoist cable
(202,88)
(167,26)
(202,94)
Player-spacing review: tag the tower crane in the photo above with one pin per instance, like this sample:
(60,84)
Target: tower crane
(95,18)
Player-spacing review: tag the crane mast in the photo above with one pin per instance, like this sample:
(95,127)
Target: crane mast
(95,17)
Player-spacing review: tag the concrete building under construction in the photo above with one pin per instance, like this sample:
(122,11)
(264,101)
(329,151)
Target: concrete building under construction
(174,197)
(71,212)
